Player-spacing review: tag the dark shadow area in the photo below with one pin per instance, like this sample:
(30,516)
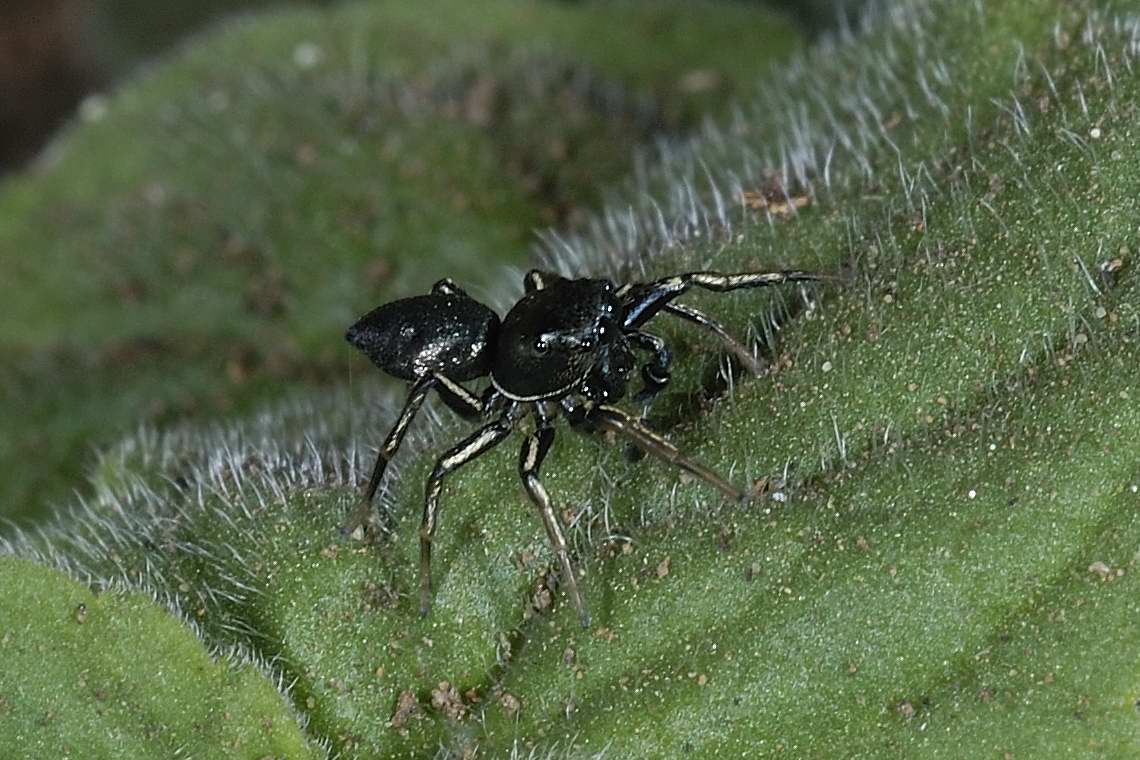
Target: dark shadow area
(47,64)
(53,53)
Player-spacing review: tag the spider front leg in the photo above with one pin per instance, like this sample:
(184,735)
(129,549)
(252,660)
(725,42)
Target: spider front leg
(746,358)
(530,460)
(475,445)
(645,299)
(655,374)
(614,420)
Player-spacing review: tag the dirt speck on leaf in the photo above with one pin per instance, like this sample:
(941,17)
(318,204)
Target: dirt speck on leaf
(445,698)
(1102,569)
(510,703)
(406,708)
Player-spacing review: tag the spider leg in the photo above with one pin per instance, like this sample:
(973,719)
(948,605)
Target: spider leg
(738,349)
(644,300)
(536,279)
(458,398)
(416,395)
(471,447)
(530,460)
(447,287)
(655,373)
(614,420)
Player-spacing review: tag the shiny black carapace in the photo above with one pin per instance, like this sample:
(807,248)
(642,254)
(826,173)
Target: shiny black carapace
(567,347)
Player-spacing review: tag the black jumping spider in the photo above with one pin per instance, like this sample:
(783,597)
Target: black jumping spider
(567,347)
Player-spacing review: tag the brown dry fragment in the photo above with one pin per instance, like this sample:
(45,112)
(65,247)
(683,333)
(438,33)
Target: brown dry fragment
(377,597)
(445,699)
(510,703)
(775,204)
(525,558)
(406,708)
(1110,269)
(542,599)
(906,709)
(760,486)
(663,567)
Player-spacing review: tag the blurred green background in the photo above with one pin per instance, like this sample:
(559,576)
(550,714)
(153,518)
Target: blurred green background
(261,207)
(54,52)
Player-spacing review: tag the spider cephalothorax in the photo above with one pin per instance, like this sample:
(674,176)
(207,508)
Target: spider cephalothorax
(567,346)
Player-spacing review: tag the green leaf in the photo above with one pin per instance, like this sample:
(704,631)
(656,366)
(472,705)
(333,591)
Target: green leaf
(116,675)
(199,240)
(939,557)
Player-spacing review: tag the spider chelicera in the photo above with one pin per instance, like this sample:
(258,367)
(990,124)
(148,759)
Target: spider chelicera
(567,347)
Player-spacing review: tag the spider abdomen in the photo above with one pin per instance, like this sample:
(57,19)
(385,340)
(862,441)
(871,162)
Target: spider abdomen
(408,338)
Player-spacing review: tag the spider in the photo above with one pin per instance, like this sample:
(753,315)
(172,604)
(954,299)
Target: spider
(567,347)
